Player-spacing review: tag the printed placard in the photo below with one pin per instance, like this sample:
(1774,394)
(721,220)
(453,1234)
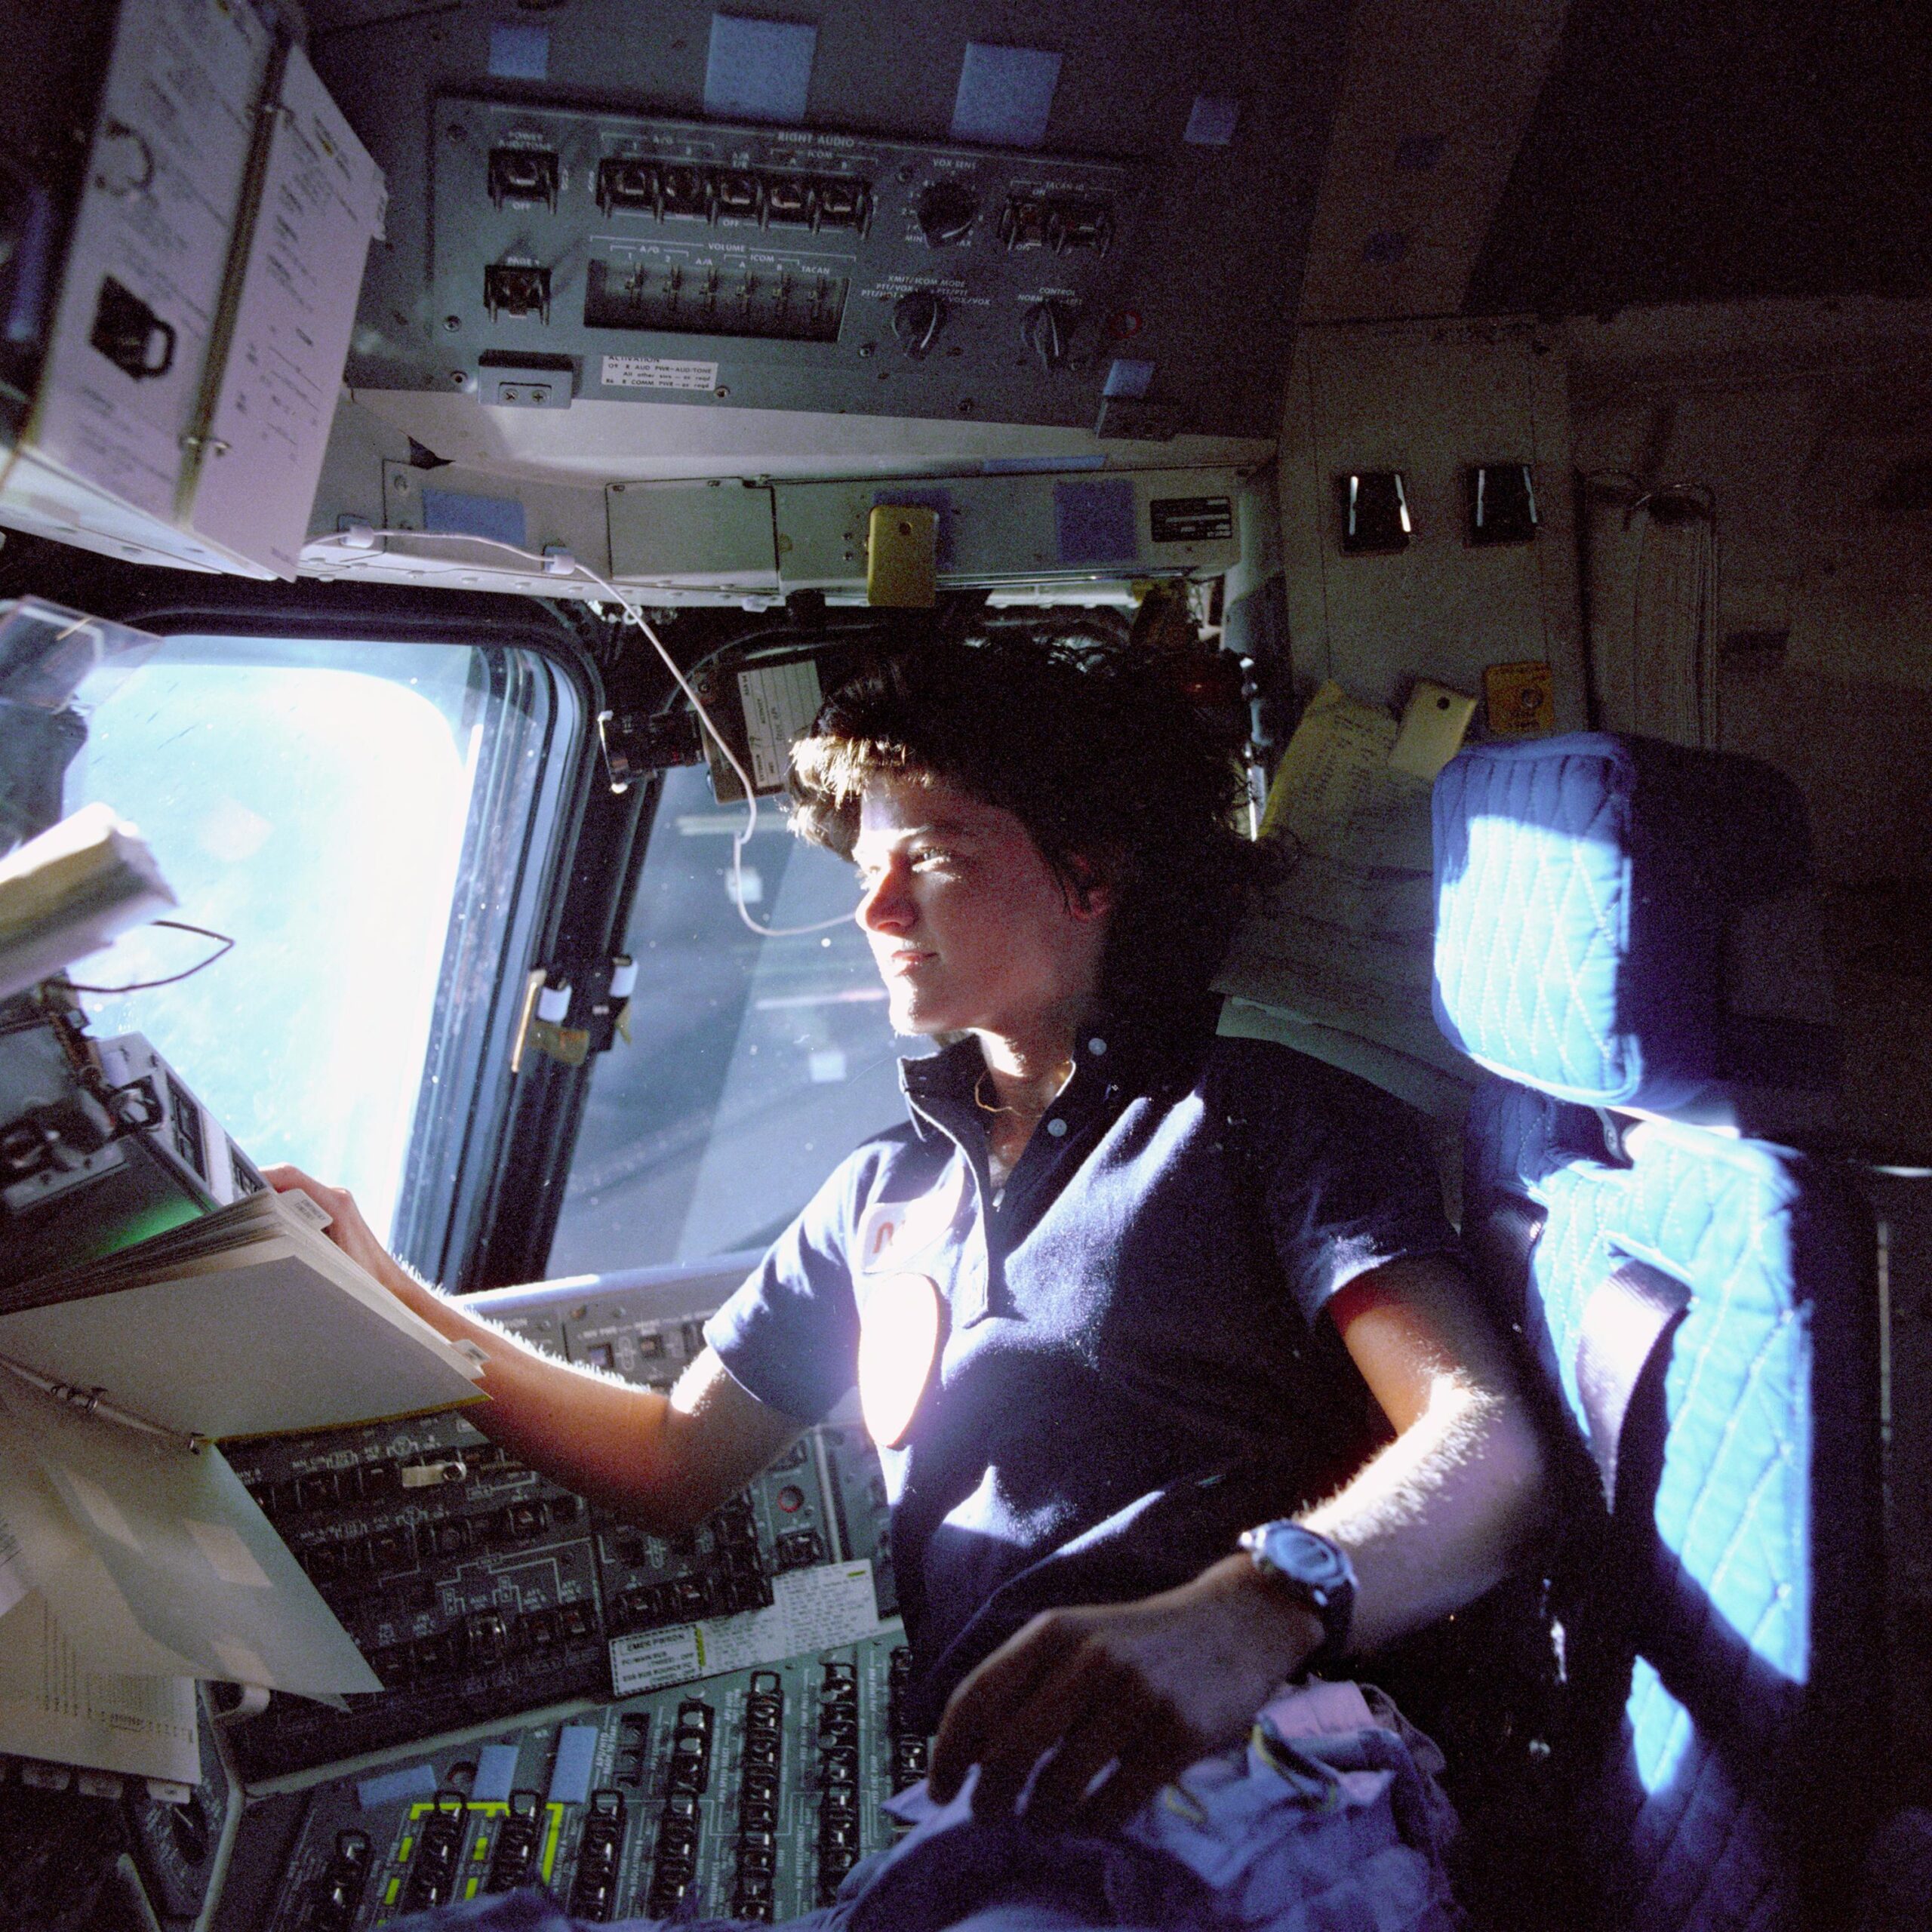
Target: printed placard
(657,372)
(780,702)
(810,1610)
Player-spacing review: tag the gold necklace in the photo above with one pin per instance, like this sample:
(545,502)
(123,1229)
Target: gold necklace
(1064,1071)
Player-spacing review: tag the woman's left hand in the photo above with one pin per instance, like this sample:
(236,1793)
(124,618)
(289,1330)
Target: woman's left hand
(1146,1687)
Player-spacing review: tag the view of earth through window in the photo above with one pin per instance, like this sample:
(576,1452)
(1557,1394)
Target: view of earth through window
(308,800)
(756,1065)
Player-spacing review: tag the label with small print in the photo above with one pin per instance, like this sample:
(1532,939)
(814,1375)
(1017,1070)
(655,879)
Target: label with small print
(657,372)
(816,1609)
(1190,519)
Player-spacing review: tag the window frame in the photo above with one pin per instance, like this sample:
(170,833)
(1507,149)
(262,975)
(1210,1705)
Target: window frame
(462,1140)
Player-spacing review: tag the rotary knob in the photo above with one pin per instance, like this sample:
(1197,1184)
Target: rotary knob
(917,319)
(1048,330)
(946,211)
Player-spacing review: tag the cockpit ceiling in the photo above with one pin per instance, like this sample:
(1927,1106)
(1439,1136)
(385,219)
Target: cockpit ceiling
(1720,150)
(1203,278)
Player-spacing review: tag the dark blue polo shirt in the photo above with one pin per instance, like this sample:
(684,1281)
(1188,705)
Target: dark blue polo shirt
(1131,1367)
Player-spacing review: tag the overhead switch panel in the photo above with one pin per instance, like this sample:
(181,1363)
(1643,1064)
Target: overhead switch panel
(764,265)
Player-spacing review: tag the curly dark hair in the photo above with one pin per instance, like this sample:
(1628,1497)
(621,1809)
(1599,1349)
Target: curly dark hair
(1101,756)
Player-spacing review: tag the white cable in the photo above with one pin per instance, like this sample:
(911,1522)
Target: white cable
(634,612)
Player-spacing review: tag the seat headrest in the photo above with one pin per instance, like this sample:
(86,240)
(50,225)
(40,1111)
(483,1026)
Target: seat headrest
(1594,895)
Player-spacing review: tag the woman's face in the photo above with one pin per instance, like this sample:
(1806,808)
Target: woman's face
(971,928)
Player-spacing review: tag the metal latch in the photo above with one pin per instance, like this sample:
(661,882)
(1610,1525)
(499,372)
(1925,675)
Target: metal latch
(601,1004)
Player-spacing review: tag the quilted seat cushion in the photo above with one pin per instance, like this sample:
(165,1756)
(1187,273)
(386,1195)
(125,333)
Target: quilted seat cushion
(1585,887)
(1740,1572)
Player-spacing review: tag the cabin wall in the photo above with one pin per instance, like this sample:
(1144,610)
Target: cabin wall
(1806,430)
(1431,400)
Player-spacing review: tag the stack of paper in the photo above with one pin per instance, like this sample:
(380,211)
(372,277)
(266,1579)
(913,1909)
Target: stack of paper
(1337,956)
(249,1322)
(215,260)
(70,891)
(132,1560)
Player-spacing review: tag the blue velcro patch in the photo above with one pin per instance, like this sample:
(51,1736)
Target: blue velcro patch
(1094,522)
(495,1773)
(1211,123)
(576,1753)
(759,70)
(1005,95)
(519,52)
(459,513)
(412,1781)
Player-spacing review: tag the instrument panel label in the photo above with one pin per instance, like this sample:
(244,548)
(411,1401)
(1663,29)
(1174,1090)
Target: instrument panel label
(812,1610)
(657,372)
(1192,519)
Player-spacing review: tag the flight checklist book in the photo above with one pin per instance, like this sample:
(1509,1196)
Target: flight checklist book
(132,1560)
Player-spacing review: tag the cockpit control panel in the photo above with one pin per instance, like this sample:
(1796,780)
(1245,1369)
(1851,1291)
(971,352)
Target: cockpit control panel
(567,1699)
(580,252)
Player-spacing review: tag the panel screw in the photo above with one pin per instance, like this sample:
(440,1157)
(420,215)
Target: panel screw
(965,405)
(457,379)
(452,322)
(720,391)
(867,348)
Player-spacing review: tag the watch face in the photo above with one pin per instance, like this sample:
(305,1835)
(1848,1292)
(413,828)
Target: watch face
(1317,1570)
(1309,1559)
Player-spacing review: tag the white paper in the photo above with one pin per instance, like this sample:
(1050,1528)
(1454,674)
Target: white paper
(52,1706)
(164,181)
(831,1604)
(1335,771)
(321,201)
(810,1610)
(13,1584)
(779,705)
(181,1573)
(649,1658)
(1344,939)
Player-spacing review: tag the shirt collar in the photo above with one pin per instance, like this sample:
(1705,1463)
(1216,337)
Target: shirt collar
(1110,1053)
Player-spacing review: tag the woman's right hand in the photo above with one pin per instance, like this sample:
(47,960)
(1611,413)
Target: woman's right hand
(346,1227)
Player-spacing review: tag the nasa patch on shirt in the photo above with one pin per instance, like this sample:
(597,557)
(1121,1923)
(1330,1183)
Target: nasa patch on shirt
(892,1233)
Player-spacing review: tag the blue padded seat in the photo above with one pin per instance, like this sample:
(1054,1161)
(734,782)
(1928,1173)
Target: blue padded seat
(1722,1606)
(1585,888)
(1700,1315)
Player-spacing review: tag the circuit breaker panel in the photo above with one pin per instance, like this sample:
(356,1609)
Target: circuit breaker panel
(569,1701)
(579,253)
(752,1793)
